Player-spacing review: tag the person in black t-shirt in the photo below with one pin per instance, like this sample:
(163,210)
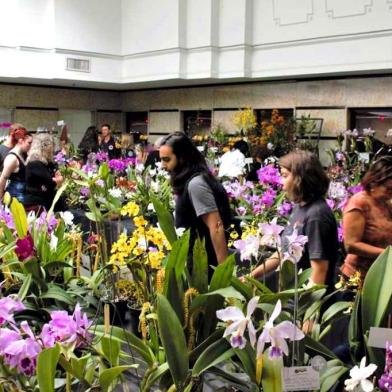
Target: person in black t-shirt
(108,144)
(201,201)
(305,183)
(42,179)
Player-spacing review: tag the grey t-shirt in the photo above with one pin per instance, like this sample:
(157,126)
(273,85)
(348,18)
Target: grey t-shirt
(201,196)
(4,150)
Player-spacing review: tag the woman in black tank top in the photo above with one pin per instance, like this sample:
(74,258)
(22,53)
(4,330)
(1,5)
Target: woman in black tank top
(14,168)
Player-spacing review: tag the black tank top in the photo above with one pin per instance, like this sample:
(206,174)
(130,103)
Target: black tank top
(20,175)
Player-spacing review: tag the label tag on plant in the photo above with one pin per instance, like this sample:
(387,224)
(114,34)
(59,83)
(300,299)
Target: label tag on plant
(248,160)
(200,148)
(379,336)
(300,378)
(364,157)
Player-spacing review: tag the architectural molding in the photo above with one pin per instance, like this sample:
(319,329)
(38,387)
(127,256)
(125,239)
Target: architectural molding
(338,9)
(302,12)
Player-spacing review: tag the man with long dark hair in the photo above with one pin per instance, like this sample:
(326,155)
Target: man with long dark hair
(201,202)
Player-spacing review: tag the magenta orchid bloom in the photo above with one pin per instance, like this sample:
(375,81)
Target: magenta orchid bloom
(277,335)
(239,323)
(25,248)
(8,306)
(22,354)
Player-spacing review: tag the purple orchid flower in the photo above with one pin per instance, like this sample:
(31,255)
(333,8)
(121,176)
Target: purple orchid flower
(239,323)
(285,208)
(385,381)
(269,175)
(277,335)
(8,306)
(22,354)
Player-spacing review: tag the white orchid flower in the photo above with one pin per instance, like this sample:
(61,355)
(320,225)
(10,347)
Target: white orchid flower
(239,323)
(271,233)
(67,217)
(248,247)
(53,242)
(277,335)
(359,377)
(296,246)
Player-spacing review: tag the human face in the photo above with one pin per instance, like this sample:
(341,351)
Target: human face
(105,131)
(25,144)
(383,191)
(168,158)
(287,180)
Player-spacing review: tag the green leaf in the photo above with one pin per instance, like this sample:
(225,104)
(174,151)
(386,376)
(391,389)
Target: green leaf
(20,218)
(56,198)
(335,309)
(24,289)
(377,291)
(129,339)
(215,336)
(57,293)
(46,368)
(216,353)
(271,377)
(220,279)
(247,358)
(108,376)
(287,274)
(330,376)
(228,292)
(79,366)
(173,340)
(355,336)
(244,289)
(316,348)
(165,219)
(111,350)
(200,267)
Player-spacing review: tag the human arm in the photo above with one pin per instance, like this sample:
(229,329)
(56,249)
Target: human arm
(354,222)
(267,266)
(215,227)
(10,165)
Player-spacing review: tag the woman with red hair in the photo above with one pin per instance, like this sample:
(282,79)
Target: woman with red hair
(14,165)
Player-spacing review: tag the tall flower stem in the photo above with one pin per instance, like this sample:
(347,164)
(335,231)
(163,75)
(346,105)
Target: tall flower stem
(295,346)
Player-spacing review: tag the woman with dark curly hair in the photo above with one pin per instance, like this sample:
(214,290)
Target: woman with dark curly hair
(367,219)
(306,183)
(89,142)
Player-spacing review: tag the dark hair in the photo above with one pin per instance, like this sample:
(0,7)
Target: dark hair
(89,142)
(105,125)
(310,182)
(242,146)
(189,160)
(379,172)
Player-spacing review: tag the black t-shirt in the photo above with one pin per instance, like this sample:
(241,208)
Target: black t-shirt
(40,187)
(317,222)
(110,148)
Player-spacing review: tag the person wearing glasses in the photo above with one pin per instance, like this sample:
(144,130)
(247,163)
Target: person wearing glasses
(367,219)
